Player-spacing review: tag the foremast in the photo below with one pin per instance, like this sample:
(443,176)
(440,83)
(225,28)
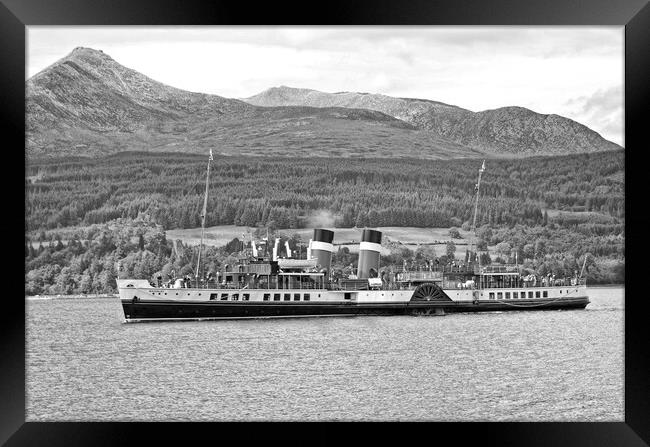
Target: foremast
(477,188)
(203,213)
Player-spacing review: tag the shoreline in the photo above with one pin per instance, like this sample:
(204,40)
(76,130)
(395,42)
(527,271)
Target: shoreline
(71,297)
(116,295)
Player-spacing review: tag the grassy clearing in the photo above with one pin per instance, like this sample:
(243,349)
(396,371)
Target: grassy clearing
(411,237)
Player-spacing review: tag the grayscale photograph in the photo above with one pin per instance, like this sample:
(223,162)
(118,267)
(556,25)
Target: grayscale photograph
(324,223)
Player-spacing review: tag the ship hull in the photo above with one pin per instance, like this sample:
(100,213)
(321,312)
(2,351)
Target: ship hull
(164,310)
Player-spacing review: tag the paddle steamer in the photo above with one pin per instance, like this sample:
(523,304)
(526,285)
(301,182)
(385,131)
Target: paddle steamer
(264,285)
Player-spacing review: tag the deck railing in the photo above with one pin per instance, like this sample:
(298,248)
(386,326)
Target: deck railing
(362,284)
(194,284)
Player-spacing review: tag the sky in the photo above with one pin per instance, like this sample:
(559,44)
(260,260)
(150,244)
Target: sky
(576,72)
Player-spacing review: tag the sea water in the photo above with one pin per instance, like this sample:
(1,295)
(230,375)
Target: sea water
(84,364)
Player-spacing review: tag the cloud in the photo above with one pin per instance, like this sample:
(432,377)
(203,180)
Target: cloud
(600,101)
(603,109)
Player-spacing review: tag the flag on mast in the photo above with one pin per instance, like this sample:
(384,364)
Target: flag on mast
(213,158)
(482,167)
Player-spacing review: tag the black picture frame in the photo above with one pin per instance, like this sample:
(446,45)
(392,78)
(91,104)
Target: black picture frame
(15,15)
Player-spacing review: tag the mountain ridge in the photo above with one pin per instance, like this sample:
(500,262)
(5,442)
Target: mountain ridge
(86,103)
(477,130)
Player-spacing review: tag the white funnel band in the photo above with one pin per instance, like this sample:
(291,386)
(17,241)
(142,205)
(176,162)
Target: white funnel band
(325,246)
(370,246)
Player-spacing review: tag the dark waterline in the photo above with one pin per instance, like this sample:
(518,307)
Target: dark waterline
(84,364)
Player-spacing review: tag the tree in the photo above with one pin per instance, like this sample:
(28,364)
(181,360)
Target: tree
(425,252)
(456,222)
(362,219)
(86,283)
(65,283)
(454,233)
(485,233)
(504,248)
(372,218)
(233,246)
(529,251)
(450,250)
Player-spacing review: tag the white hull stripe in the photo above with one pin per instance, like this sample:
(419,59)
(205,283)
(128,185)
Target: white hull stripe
(325,246)
(370,246)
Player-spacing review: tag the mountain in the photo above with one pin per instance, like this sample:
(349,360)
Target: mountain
(401,108)
(507,130)
(517,130)
(88,104)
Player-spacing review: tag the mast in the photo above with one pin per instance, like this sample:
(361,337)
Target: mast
(476,188)
(203,213)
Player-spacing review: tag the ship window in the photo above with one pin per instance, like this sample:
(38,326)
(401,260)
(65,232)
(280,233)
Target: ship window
(267,296)
(491,295)
(287,297)
(306,297)
(296,297)
(224,296)
(246,296)
(347,296)
(235,297)
(545,294)
(507,295)
(530,294)
(515,295)
(214,296)
(537,294)
(276,297)
(523,295)
(499,295)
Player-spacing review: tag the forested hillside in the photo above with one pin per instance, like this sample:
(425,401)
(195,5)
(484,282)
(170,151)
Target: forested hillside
(285,193)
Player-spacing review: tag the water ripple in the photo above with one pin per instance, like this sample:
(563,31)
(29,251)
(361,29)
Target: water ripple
(83,364)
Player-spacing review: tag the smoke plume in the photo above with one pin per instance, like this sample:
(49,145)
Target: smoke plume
(321,219)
